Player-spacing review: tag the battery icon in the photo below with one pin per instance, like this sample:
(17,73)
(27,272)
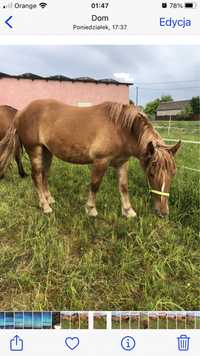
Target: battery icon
(189,5)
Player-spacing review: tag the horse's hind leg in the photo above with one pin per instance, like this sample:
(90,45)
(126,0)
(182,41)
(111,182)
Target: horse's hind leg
(122,173)
(18,160)
(37,165)
(98,170)
(47,159)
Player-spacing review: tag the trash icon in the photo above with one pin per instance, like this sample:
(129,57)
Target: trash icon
(183,342)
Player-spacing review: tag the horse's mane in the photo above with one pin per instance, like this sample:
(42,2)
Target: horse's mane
(136,121)
(131,118)
(8,107)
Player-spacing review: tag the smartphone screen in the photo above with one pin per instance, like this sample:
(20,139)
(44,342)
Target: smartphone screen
(99,177)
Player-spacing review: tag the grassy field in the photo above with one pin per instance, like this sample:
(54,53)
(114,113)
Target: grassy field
(68,261)
(184,130)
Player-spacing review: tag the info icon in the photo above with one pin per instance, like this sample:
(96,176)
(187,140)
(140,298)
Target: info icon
(128,343)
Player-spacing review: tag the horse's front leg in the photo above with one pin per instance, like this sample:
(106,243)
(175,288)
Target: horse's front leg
(122,173)
(98,170)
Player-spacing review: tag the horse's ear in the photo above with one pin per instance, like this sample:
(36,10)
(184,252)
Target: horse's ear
(150,149)
(173,149)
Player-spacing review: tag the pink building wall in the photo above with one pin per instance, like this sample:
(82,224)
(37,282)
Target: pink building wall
(20,92)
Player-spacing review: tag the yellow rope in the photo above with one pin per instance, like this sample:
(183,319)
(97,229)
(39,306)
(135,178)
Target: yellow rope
(159,193)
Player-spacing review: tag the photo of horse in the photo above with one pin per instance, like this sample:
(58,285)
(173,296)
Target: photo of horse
(107,217)
(111,134)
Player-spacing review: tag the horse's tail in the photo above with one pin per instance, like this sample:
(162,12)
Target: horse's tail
(7,148)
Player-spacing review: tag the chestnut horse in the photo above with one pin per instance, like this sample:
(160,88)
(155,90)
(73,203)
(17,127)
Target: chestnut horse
(7,114)
(102,135)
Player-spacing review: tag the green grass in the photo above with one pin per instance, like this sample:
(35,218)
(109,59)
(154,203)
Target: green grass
(182,124)
(68,261)
(184,130)
(179,134)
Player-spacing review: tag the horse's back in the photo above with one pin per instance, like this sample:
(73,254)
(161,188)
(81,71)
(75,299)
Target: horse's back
(52,110)
(44,118)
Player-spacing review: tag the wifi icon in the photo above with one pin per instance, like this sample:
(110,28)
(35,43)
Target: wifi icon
(43,5)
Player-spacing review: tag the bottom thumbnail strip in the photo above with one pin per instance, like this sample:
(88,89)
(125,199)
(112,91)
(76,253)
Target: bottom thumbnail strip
(100,320)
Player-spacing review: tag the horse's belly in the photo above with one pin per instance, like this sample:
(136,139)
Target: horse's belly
(82,146)
(74,153)
(72,158)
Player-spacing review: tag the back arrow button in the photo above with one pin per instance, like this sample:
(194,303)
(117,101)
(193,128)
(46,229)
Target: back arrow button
(7,22)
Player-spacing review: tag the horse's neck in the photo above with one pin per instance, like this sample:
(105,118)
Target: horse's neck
(140,144)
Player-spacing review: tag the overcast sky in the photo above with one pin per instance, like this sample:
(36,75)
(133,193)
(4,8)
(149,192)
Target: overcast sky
(146,66)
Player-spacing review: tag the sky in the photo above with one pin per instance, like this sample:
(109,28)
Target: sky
(155,70)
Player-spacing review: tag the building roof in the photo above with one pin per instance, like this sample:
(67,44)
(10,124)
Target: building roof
(173,105)
(63,78)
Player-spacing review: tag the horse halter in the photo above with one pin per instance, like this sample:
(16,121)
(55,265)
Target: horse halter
(158,192)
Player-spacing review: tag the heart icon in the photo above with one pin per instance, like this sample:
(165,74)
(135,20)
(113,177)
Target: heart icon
(72,342)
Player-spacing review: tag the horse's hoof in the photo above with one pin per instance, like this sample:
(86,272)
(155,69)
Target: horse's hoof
(91,211)
(47,210)
(51,200)
(129,213)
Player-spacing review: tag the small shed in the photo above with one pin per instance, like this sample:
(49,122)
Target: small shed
(171,110)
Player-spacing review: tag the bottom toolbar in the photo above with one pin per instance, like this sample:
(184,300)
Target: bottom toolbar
(99,342)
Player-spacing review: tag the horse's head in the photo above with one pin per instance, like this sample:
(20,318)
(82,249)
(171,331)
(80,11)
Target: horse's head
(160,167)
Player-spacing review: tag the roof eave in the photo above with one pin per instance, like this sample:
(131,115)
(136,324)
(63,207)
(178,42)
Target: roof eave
(60,78)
